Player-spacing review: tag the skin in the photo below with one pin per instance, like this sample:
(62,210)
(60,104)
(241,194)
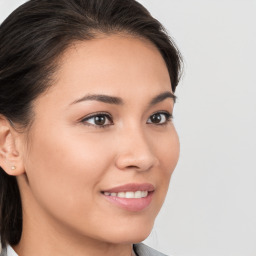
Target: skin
(63,164)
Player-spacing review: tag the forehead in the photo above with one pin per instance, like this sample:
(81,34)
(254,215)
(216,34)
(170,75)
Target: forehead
(119,65)
(115,56)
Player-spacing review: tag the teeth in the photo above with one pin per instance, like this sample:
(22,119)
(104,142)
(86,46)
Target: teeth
(129,194)
(138,194)
(144,193)
(121,194)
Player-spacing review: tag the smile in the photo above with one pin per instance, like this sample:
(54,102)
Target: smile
(130,197)
(128,194)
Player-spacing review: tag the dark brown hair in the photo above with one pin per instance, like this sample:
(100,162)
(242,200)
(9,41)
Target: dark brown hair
(31,40)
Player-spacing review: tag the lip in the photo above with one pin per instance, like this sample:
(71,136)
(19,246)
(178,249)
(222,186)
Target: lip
(131,204)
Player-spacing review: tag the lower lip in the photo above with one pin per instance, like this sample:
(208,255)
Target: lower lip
(131,204)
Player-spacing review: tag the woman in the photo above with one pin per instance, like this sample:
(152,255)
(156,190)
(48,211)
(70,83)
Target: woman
(87,145)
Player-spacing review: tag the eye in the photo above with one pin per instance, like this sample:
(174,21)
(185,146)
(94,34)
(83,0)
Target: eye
(160,118)
(100,120)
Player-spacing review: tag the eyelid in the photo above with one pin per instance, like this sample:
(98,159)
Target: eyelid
(162,112)
(96,114)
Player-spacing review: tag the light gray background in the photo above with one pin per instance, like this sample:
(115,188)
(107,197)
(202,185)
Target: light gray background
(210,208)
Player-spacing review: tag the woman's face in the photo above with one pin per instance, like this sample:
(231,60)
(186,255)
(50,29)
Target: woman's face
(102,148)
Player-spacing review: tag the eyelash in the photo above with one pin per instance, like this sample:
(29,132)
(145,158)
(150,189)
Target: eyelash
(168,117)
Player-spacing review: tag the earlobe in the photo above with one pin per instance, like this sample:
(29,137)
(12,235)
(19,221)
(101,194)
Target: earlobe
(10,158)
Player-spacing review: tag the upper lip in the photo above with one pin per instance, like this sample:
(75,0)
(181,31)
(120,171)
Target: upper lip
(133,187)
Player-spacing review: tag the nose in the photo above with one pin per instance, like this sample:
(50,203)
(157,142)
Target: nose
(135,151)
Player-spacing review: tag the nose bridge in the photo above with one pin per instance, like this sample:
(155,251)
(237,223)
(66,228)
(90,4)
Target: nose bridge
(135,150)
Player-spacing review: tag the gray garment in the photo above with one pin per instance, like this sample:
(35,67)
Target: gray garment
(140,250)
(144,250)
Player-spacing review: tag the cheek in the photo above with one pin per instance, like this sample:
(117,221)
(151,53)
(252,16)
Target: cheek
(64,171)
(168,153)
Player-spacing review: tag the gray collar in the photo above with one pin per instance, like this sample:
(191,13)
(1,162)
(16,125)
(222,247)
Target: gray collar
(144,250)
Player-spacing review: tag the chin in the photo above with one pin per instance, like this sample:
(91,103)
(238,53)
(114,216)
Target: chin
(132,234)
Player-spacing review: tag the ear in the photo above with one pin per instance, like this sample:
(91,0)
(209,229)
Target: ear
(10,155)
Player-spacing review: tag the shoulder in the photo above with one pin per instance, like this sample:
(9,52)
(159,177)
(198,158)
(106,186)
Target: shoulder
(144,250)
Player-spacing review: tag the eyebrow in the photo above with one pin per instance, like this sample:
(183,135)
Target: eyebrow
(119,101)
(161,97)
(100,97)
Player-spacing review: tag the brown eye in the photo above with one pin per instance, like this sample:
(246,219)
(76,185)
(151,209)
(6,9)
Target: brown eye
(98,120)
(160,118)
(156,118)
